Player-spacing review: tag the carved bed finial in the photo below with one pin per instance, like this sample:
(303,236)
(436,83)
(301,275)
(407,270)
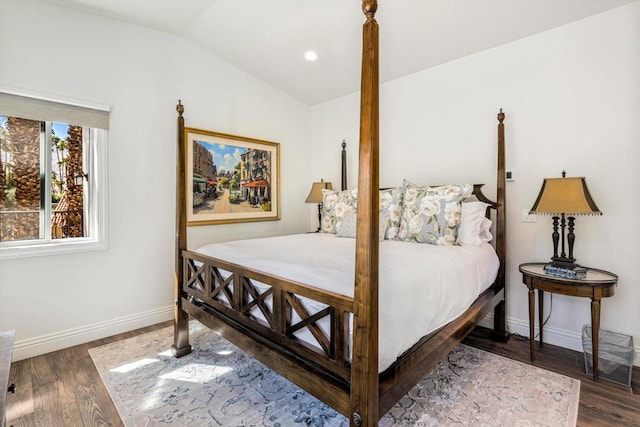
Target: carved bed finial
(369,7)
(344,144)
(501,116)
(180,108)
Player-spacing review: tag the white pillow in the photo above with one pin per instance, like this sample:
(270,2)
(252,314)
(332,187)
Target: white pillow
(347,226)
(485,230)
(473,224)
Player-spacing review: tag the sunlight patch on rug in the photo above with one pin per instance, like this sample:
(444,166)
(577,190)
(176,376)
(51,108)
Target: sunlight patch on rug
(196,373)
(133,365)
(219,385)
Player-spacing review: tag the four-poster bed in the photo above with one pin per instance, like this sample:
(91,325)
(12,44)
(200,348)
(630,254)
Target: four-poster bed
(264,313)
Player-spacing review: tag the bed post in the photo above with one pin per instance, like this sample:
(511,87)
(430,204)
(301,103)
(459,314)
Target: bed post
(499,315)
(364,365)
(180,345)
(344,165)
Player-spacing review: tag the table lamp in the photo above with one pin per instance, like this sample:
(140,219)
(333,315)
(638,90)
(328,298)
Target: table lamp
(564,196)
(316,196)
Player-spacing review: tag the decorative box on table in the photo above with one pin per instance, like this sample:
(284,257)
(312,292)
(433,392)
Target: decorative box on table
(567,273)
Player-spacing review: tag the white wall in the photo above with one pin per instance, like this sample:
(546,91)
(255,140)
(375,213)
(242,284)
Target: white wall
(56,301)
(572,100)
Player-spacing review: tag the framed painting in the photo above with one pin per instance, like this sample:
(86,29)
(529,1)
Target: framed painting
(231,178)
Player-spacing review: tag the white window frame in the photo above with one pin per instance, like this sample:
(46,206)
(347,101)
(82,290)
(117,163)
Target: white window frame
(97,162)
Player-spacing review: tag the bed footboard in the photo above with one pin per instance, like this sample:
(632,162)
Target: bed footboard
(301,320)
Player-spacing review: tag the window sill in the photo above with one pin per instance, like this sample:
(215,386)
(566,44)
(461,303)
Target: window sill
(51,248)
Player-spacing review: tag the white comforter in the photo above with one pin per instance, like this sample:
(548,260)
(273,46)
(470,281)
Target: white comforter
(422,286)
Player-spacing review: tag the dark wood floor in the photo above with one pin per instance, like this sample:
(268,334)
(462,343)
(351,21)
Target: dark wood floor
(63,388)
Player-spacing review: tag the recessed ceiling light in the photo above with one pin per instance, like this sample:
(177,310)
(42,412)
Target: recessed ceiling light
(310,55)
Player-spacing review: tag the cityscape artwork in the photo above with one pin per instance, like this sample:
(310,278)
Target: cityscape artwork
(233,178)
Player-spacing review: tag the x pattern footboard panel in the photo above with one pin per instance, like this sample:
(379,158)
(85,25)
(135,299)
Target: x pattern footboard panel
(253,299)
(305,320)
(310,321)
(221,285)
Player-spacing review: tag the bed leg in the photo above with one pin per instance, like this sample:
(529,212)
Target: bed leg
(181,346)
(500,332)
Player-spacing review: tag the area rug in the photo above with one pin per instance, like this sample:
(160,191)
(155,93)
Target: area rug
(219,385)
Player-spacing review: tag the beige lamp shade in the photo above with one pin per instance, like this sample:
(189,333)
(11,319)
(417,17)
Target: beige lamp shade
(315,195)
(565,196)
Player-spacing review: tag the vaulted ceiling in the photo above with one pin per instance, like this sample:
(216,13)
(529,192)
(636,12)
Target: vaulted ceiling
(269,38)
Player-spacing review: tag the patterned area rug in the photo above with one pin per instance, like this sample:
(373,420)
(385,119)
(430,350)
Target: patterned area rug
(218,385)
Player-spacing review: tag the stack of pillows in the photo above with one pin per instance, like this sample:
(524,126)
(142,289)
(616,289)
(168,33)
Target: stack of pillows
(411,213)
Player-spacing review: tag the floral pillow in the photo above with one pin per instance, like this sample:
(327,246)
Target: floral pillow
(335,204)
(432,214)
(391,202)
(347,227)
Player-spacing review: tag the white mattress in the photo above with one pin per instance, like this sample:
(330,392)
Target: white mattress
(422,287)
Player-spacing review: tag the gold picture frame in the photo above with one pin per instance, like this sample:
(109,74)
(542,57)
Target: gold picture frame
(230,178)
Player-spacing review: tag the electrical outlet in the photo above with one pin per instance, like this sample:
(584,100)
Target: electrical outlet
(527,217)
(510,175)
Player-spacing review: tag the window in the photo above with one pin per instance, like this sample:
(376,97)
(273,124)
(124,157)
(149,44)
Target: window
(52,176)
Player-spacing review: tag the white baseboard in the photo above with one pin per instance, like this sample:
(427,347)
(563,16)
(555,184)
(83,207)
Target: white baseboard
(555,336)
(47,343)
(58,340)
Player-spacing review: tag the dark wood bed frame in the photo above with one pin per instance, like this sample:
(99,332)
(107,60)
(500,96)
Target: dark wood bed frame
(353,385)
